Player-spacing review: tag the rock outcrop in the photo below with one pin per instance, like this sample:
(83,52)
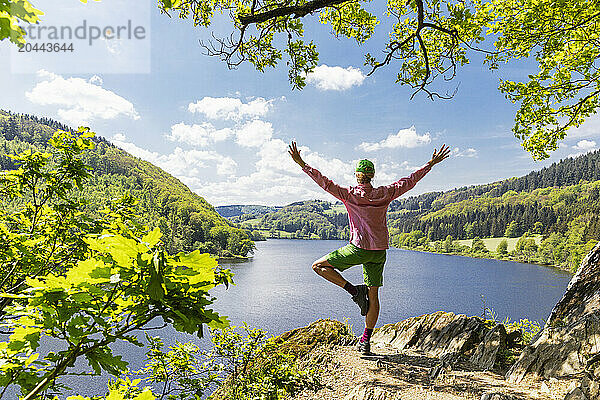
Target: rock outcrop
(443,333)
(493,343)
(569,344)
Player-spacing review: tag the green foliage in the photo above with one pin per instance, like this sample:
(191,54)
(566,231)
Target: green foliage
(122,389)
(12,13)
(565,89)
(478,246)
(256,366)
(448,245)
(527,328)
(86,283)
(526,245)
(46,231)
(512,230)
(243,363)
(412,240)
(163,201)
(182,372)
(502,247)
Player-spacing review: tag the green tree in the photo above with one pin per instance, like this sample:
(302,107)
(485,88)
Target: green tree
(512,230)
(502,247)
(110,280)
(448,244)
(478,246)
(469,232)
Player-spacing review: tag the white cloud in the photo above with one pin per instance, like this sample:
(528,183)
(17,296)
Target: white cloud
(408,138)
(273,177)
(585,145)
(254,133)
(335,78)
(187,165)
(198,135)
(470,152)
(582,147)
(79,101)
(228,108)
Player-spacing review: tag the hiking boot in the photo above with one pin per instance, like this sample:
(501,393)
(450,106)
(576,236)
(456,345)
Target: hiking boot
(362,299)
(364,348)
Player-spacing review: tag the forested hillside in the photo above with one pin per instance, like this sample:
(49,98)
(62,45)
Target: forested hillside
(303,219)
(543,201)
(566,172)
(187,221)
(244,211)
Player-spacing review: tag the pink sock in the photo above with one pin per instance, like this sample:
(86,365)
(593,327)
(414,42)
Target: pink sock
(366,335)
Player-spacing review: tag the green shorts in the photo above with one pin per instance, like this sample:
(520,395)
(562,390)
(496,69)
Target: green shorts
(371,260)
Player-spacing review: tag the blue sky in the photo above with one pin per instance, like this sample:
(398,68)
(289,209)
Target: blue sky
(224,133)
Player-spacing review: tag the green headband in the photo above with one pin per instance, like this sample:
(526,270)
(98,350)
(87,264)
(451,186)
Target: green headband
(365,166)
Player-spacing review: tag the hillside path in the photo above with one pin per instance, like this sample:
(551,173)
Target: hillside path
(406,376)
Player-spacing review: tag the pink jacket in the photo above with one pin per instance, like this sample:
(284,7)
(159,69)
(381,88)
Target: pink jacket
(367,206)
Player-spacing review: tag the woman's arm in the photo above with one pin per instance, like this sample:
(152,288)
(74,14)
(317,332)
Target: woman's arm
(327,184)
(403,185)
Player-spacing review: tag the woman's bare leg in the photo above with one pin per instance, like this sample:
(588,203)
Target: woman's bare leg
(326,270)
(373,313)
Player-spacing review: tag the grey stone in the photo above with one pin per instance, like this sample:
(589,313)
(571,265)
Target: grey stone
(369,391)
(486,354)
(435,334)
(575,394)
(590,387)
(572,333)
(446,362)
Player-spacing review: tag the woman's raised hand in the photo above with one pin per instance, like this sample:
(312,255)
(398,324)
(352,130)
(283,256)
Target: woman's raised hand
(295,153)
(439,156)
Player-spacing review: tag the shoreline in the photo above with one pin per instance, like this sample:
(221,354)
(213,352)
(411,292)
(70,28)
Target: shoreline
(554,266)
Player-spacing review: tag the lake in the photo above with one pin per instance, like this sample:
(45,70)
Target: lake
(277,290)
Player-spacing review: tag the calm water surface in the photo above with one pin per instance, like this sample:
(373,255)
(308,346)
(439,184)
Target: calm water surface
(277,290)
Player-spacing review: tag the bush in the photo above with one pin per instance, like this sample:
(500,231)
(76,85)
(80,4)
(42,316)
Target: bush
(502,247)
(478,246)
(243,363)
